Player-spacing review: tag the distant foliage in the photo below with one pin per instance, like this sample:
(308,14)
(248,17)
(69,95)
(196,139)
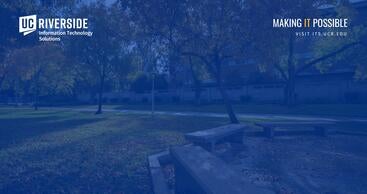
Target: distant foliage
(40,70)
(143,83)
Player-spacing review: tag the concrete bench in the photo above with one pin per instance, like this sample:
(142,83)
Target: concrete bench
(319,128)
(208,138)
(197,172)
(158,180)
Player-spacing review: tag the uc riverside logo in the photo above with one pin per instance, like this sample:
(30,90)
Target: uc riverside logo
(27,24)
(52,29)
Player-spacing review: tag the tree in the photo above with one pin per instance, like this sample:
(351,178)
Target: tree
(356,38)
(196,80)
(101,54)
(216,34)
(42,70)
(9,38)
(278,51)
(212,31)
(198,74)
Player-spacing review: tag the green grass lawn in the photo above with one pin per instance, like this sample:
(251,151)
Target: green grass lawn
(72,152)
(331,110)
(55,151)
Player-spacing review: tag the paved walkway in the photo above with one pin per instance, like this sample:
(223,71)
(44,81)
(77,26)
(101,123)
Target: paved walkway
(223,115)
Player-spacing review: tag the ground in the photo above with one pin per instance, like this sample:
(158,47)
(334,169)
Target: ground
(305,164)
(79,152)
(326,110)
(71,151)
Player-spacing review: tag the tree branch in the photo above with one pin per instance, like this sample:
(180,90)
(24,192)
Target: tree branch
(196,55)
(282,73)
(332,54)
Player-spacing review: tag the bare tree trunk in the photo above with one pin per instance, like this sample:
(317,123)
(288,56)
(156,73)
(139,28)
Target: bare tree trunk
(2,78)
(37,92)
(197,94)
(214,66)
(218,74)
(35,106)
(35,103)
(290,82)
(100,99)
(197,84)
(232,116)
(290,92)
(100,92)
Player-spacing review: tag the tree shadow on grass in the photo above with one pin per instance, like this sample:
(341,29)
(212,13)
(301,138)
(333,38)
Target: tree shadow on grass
(16,130)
